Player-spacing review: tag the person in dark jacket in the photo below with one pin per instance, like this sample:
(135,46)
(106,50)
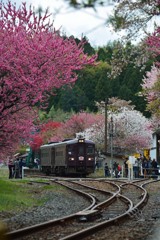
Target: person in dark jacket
(11,168)
(16,163)
(106,169)
(115,168)
(21,164)
(154,166)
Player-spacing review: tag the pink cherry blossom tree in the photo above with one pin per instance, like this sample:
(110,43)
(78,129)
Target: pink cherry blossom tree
(34,59)
(151,82)
(151,90)
(45,134)
(76,124)
(16,130)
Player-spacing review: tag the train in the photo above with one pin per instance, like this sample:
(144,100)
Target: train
(69,157)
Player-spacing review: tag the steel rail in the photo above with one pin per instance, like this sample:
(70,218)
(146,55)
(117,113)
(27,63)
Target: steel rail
(91,230)
(88,231)
(144,195)
(37,227)
(89,196)
(106,202)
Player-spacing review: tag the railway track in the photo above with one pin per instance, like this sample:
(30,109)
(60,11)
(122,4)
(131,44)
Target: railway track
(142,225)
(110,203)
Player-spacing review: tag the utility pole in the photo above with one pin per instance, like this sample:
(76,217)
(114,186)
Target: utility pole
(106,123)
(111,136)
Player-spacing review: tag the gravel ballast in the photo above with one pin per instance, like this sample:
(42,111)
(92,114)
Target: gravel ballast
(143,226)
(59,204)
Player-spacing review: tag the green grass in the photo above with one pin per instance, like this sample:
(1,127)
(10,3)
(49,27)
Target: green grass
(17,194)
(4,173)
(98,173)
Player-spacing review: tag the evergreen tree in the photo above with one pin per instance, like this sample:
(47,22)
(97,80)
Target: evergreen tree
(125,93)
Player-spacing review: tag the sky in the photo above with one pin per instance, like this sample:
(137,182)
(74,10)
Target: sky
(85,22)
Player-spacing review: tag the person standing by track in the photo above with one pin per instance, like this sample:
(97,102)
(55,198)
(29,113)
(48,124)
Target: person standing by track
(154,167)
(126,167)
(115,168)
(21,164)
(106,170)
(11,168)
(16,163)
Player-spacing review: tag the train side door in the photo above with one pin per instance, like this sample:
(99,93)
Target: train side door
(81,155)
(52,156)
(71,155)
(90,155)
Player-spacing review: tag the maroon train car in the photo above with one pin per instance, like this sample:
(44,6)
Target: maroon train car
(75,156)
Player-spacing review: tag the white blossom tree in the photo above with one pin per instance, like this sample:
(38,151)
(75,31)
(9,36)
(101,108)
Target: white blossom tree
(131,130)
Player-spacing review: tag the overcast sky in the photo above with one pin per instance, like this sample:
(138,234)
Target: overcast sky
(84,22)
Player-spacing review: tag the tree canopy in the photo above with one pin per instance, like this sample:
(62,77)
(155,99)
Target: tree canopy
(131,130)
(34,60)
(37,62)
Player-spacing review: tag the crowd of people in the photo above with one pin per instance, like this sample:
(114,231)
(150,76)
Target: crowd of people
(15,167)
(116,170)
(140,167)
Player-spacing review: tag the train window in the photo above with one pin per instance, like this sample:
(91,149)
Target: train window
(71,150)
(90,150)
(81,150)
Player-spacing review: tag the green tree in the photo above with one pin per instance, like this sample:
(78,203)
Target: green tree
(95,83)
(115,85)
(103,88)
(105,53)
(125,93)
(87,46)
(59,115)
(78,4)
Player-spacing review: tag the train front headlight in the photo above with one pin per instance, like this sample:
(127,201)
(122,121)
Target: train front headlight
(90,158)
(81,140)
(71,159)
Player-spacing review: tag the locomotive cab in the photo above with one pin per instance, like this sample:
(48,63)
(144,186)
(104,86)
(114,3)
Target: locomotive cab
(81,156)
